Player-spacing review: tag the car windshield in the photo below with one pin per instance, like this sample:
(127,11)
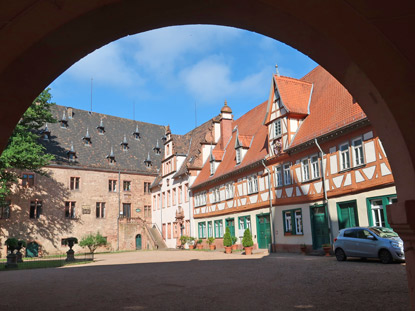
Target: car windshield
(384,232)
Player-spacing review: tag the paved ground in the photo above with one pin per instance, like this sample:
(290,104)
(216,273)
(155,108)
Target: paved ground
(192,280)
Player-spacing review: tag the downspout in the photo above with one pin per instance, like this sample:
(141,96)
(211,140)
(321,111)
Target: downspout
(325,190)
(190,212)
(119,210)
(161,213)
(270,207)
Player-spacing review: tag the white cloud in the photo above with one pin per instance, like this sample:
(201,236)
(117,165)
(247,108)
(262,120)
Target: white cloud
(106,66)
(165,49)
(210,80)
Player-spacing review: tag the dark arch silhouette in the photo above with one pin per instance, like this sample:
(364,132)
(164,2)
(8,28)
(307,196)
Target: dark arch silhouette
(366,45)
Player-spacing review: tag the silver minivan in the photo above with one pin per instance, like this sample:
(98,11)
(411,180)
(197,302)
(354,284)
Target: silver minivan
(369,242)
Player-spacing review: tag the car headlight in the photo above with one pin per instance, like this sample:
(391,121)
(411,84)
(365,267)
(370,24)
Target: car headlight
(396,245)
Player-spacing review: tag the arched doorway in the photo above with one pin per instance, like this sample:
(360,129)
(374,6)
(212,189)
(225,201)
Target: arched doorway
(138,242)
(364,45)
(32,249)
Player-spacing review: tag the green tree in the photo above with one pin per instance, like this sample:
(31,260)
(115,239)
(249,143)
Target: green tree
(93,241)
(23,151)
(227,239)
(247,239)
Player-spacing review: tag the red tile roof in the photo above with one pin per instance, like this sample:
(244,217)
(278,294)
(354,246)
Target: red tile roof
(249,125)
(331,107)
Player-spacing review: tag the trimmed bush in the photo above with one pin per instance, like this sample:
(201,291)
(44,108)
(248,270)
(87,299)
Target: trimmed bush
(247,239)
(227,239)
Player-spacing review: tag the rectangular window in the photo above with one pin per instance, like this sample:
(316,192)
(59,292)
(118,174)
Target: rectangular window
(112,185)
(174,196)
(147,211)
(287,174)
(147,187)
(126,210)
(159,202)
(278,176)
(202,230)
(70,210)
(238,155)
(315,171)
(186,197)
(305,168)
(5,209)
(126,185)
(347,214)
(154,202)
(358,156)
(180,194)
(100,210)
(74,183)
(218,229)
(252,184)
(293,222)
(169,230)
(277,128)
(210,229)
(163,198)
(244,223)
(168,198)
(344,157)
(28,180)
(35,209)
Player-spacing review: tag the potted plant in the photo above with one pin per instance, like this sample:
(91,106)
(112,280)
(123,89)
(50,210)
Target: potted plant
(247,242)
(234,239)
(199,244)
(70,255)
(227,241)
(183,241)
(20,245)
(12,245)
(191,242)
(326,249)
(210,242)
(303,248)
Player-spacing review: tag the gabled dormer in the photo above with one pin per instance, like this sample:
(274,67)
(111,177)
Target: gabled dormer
(242,144)
(101,128)
(71,154)
(212,163)
(136,133)
(288,105)
(87,138)
(147,161)
(157,149)
(45,133)
(111,157)
(63,121)
(124,144)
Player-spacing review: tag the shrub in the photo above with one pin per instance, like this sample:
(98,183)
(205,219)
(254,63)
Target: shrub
(227,239)
(199,241)
(191,240)
(22,243)
(211,240)
(234,239)
(11,243)
(247,239)
(184,239)
(93,241)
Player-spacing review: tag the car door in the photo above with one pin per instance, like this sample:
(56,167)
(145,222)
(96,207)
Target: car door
(365,243)
(349,242)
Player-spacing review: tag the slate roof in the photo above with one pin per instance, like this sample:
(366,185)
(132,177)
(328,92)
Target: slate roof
(95,156)
(249,127)
(331,107)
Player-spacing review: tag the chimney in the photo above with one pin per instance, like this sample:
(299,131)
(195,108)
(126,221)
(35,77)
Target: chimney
(226,120)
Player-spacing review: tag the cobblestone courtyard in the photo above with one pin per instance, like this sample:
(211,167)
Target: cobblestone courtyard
(196,280)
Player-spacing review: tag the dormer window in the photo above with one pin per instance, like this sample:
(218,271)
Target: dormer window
(87,138)
(101,128)
(72,154)
(164,138)
(136,133)
(212,162)
(157,149)
(124,144)
(147,161)
(46,133)
(64,121)
(277,128)
(111,157)
(238,155)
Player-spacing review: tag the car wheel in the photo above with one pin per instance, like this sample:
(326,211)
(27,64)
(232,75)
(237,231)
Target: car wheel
(340,255)
(385,256)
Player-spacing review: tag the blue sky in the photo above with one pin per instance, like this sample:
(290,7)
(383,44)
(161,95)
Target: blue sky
(164,73)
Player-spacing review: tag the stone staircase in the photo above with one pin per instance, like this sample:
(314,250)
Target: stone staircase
(155,235)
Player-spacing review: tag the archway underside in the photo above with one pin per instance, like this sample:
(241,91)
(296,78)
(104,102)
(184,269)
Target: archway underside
(364,45)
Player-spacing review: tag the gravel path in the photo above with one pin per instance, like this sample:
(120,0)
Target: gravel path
(194,280)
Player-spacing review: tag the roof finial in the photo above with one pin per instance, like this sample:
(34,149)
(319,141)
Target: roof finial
(112,152)
(125,139)
(72,148)
(101,124)
(277,71)
(87,133)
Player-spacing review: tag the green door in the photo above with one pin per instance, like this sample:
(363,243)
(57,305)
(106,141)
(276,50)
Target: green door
(32,249)
(230,223)
(263,231)
(347,213)
(138,241)
(319,226)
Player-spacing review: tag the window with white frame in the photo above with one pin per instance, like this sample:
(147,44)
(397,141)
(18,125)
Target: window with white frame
(210,229)
(344,156)
(358,156)
(287,173)
(278,176)
(202,230)
(293,222)
(212,167)
(277,128)
(244,223)
(217,191)
(315,171)
(305,169)
(238,152)
(252,184)
(229,191)
(218,228)
(200,199)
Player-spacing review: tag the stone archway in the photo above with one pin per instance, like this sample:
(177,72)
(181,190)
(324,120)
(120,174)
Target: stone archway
(364,45)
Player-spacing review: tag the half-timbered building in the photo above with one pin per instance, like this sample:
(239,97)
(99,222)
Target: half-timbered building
(296,169)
